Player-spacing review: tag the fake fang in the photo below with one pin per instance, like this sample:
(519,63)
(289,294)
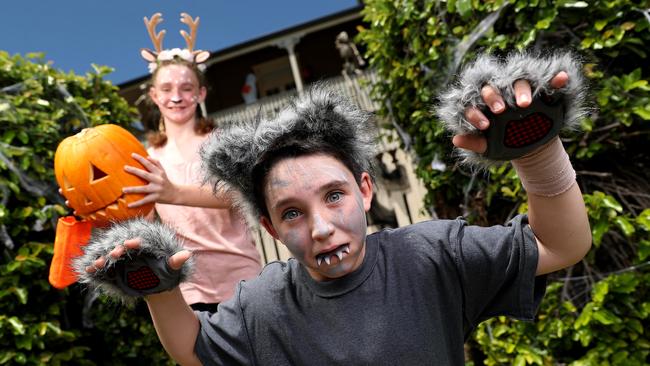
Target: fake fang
(327,257)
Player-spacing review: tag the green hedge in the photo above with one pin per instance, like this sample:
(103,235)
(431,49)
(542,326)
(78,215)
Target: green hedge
(39,106)
(597,312)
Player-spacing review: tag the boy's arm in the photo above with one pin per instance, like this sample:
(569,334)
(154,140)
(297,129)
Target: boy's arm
(557,217)
(134,259)
(561,227)
(557,214)
(176,325)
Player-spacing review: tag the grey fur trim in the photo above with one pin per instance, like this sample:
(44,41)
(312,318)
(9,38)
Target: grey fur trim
(231,153)
(502,74)
(158,240)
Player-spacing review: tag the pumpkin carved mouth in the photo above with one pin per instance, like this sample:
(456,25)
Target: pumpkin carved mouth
(110,212)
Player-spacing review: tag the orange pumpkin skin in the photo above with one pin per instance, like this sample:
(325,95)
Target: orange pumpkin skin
(89,169)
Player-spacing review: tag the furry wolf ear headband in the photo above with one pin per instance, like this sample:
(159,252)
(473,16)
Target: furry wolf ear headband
(320,118)
(515,132)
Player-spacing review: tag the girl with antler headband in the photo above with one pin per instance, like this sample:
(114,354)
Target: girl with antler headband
(223,249)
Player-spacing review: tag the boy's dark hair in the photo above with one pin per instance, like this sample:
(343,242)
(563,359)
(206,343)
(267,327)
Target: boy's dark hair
(238,156)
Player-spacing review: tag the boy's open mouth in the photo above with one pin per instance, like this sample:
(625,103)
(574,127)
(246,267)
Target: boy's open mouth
(338,252)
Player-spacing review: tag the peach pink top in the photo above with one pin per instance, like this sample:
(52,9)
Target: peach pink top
(223,249)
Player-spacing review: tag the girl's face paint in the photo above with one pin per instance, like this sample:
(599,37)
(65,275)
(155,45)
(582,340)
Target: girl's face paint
(176,92)
(318,211)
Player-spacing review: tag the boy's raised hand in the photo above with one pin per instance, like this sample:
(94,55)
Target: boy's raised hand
(175,262)
(494,101)
(530,97)
(132,259)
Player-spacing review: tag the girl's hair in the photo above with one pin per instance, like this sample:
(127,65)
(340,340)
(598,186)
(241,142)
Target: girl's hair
(204,124)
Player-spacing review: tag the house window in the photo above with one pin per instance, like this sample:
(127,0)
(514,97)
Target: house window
(274,77)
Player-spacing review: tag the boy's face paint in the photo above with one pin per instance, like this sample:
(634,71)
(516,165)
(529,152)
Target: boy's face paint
(318,211)
(176,92)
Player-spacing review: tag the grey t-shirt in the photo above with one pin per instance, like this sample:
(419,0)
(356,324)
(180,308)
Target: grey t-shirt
(416,297)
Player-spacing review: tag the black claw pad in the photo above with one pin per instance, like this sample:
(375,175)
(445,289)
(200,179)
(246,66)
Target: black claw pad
(143,275)
(518,131)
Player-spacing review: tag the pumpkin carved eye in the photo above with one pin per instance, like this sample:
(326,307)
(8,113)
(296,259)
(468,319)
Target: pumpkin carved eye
(66,184)
(96,173)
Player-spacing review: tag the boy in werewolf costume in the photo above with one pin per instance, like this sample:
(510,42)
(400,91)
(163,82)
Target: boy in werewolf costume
(407,296)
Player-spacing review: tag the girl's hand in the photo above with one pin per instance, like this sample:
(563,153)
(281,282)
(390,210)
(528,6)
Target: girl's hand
(67,203)
(160,189)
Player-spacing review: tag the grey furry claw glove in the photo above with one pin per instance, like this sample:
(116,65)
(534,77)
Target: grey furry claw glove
(139,272)
(141,275)
(517,131)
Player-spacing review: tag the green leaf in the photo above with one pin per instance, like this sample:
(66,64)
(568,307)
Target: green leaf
(643,343)
(625,225)
(635,324)
(585,316)
(544,23)
(620,357)
(575,4)
(598,230)
(600,290)
(606,317)
(464,7)
(609,201)
(600,24)
(639,84)
(54,328)
(520,360)
(643,219)
(451,6)
(6,356)
(644,249)
(506,191)
(21,293)
(624,283)
(643,112)
(24,342)
(628,26)
(16,325)
(23,137)
(42,329)
(527,38)
(584,336)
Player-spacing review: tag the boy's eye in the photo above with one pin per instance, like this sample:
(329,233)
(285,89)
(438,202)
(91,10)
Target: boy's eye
(334,196)
(290,215)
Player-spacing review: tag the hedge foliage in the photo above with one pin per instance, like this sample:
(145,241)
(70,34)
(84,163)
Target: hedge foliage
(597,312)
(39,106)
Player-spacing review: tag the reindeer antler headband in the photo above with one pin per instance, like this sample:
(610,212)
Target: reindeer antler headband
(159,54)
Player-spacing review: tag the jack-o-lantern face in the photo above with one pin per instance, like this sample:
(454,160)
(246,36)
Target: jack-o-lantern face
(89,168)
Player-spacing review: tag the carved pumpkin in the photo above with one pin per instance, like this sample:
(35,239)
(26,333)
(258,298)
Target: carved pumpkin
(89,168)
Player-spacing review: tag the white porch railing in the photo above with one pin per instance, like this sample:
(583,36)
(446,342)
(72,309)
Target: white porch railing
(399,193)
(356,88)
